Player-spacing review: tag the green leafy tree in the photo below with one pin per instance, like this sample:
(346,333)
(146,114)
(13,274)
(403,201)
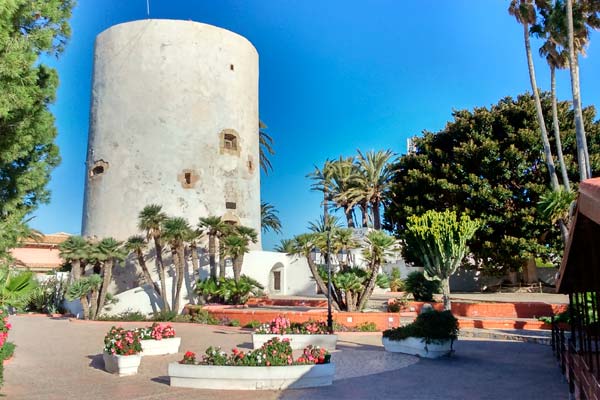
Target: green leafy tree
(106,253)
(266,148)
(28,153)
(81,290)
(285,246)
(235,247)
(488,164)
(440,240)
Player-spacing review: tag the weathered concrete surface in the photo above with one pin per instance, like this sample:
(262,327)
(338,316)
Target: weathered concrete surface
(164,94)
(58,359)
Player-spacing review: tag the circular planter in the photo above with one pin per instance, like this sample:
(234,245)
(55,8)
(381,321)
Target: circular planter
(298,342)
(250,378)
(153,347)
(416,347)
(121,365)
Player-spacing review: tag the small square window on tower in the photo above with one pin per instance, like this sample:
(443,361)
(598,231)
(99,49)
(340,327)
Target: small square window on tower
(230,205)
(230,142)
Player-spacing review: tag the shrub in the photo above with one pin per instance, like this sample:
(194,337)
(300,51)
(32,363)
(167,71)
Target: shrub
(228,290)
(282,326)
(122,342)
(395,282)
(164,316)
(367,327)
(7,351)
(124,316)
(396,304)
(200,316)
(433,326)
(234,322)
(253,324)
(48,297)
(275,352)
(421,288)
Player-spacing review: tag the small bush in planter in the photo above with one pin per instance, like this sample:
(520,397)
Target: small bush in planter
(273,353)
(156,332)
(432,326)
(421,288)
(282,326)
(122,342)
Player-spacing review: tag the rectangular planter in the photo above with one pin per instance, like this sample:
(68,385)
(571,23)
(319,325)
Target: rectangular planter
(153,347)
(121,365)
(298,342)
(416,347)
(250,378)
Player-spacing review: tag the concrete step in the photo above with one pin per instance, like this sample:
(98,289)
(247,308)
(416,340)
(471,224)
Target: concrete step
(517,335)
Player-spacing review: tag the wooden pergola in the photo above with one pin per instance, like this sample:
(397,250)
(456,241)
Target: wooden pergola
(579,277)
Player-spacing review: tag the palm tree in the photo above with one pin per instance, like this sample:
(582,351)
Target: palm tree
(266,148)
(269,220)
(578,21)
(557,58)
(524,12)
(372,181)
(341,183)
(379,245)
(304,245)
(342,242)
(235,246)
(176,230)
(150,220)
(80,290)
(137,244)
(213,227)
(322,224)
(285,246)
(16,287)
(247,233)
(322,183)
(107,252)
(74,250)
(94,285)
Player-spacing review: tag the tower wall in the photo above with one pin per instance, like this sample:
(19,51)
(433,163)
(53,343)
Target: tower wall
(174,121)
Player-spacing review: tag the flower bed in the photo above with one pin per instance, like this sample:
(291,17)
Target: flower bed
(431,335)
(271,367)
(122,351)
(299,334)
(6,348)
(158,340)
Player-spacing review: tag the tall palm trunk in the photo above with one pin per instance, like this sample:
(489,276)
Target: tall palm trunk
(94,304)
(75,270)
(445,286)
(556,128)
(321,283)
(582,153)
(325,206)
(212,249)
(376,215)
(161,273)
(194,252)
(179,266)
(364,210)
(349,216)
(142,261)
(85,306)
(350,301)
(221,260)
(540,116)
(237,267)
(368,290)
(106,278)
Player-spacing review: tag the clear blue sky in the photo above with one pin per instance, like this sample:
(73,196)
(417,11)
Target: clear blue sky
(335,76)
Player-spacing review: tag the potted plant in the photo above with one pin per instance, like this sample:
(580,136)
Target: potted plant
(431,335)
(158,340)
(300,334)
(122,351)
(270,367)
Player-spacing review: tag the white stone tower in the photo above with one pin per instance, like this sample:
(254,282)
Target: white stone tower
(174,121)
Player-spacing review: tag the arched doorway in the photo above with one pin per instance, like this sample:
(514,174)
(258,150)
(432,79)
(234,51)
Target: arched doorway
(276,279)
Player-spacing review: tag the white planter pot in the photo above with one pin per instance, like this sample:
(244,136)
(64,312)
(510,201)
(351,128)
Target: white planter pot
(121,365)
(298,342)
(160,347)
(250,378)
(416,347)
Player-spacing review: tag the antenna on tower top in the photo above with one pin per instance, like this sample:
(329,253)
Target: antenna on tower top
(148,8)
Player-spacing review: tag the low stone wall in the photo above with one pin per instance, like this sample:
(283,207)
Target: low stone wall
(496,310)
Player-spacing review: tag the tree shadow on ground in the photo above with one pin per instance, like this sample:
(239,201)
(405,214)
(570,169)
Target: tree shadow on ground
(163,379)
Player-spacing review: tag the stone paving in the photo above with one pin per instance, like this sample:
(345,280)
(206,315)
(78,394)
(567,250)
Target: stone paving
(61,359)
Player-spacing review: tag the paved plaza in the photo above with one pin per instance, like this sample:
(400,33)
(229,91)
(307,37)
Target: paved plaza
(61,359)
